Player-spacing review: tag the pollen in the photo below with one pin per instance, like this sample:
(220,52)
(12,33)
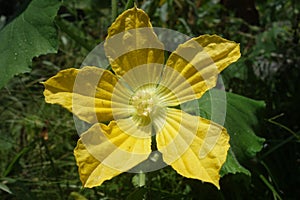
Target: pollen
(143,102)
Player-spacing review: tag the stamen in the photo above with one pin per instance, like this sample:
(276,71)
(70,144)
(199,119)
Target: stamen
(143,103)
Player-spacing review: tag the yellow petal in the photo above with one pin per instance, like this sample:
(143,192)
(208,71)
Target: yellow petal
(193,146)
(115,148)
(131,42)
(174,89)
(198,62)
(85,92)
(91,171)
(143,75)
(120,98)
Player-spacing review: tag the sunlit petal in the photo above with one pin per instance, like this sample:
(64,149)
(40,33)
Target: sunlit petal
(91,171)
(198,61)
(118,146)
(131,42)
(85,92)
(143,75)
(174,89)
(193,146)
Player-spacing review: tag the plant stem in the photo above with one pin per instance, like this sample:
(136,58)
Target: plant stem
(53,166)
(275,194)
(153,5)
(129,4)
(283,126)
(64,27)
(114,9)
(277,146)
(142,179)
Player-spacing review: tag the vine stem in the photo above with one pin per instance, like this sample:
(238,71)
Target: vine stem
(129,4)
(114,9)
(65,28)
(141,179)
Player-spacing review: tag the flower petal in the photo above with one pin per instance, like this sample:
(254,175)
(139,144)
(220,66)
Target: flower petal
(91,171)
(131,42)
(198,61)
(143,76)
(113,148)
(193,146)
(85,92)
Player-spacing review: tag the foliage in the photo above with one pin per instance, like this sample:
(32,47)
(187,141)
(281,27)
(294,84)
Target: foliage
(37,139)
(30,34)
(244,143)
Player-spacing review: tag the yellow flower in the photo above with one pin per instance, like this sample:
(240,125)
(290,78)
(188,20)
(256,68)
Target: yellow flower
(140,98)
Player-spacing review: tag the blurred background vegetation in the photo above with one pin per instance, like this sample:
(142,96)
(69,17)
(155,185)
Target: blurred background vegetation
(37,139)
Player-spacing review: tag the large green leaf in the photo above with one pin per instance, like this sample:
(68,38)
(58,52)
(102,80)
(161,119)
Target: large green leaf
(241,122)
(30,34)
(233,166)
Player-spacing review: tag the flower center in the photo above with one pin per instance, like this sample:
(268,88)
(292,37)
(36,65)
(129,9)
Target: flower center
(143,102)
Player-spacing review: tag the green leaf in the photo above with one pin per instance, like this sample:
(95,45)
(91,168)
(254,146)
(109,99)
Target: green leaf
(30,34)
(77,196)
(233,166)
(137,194)
(5,188)
(241,122)
(17,157)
